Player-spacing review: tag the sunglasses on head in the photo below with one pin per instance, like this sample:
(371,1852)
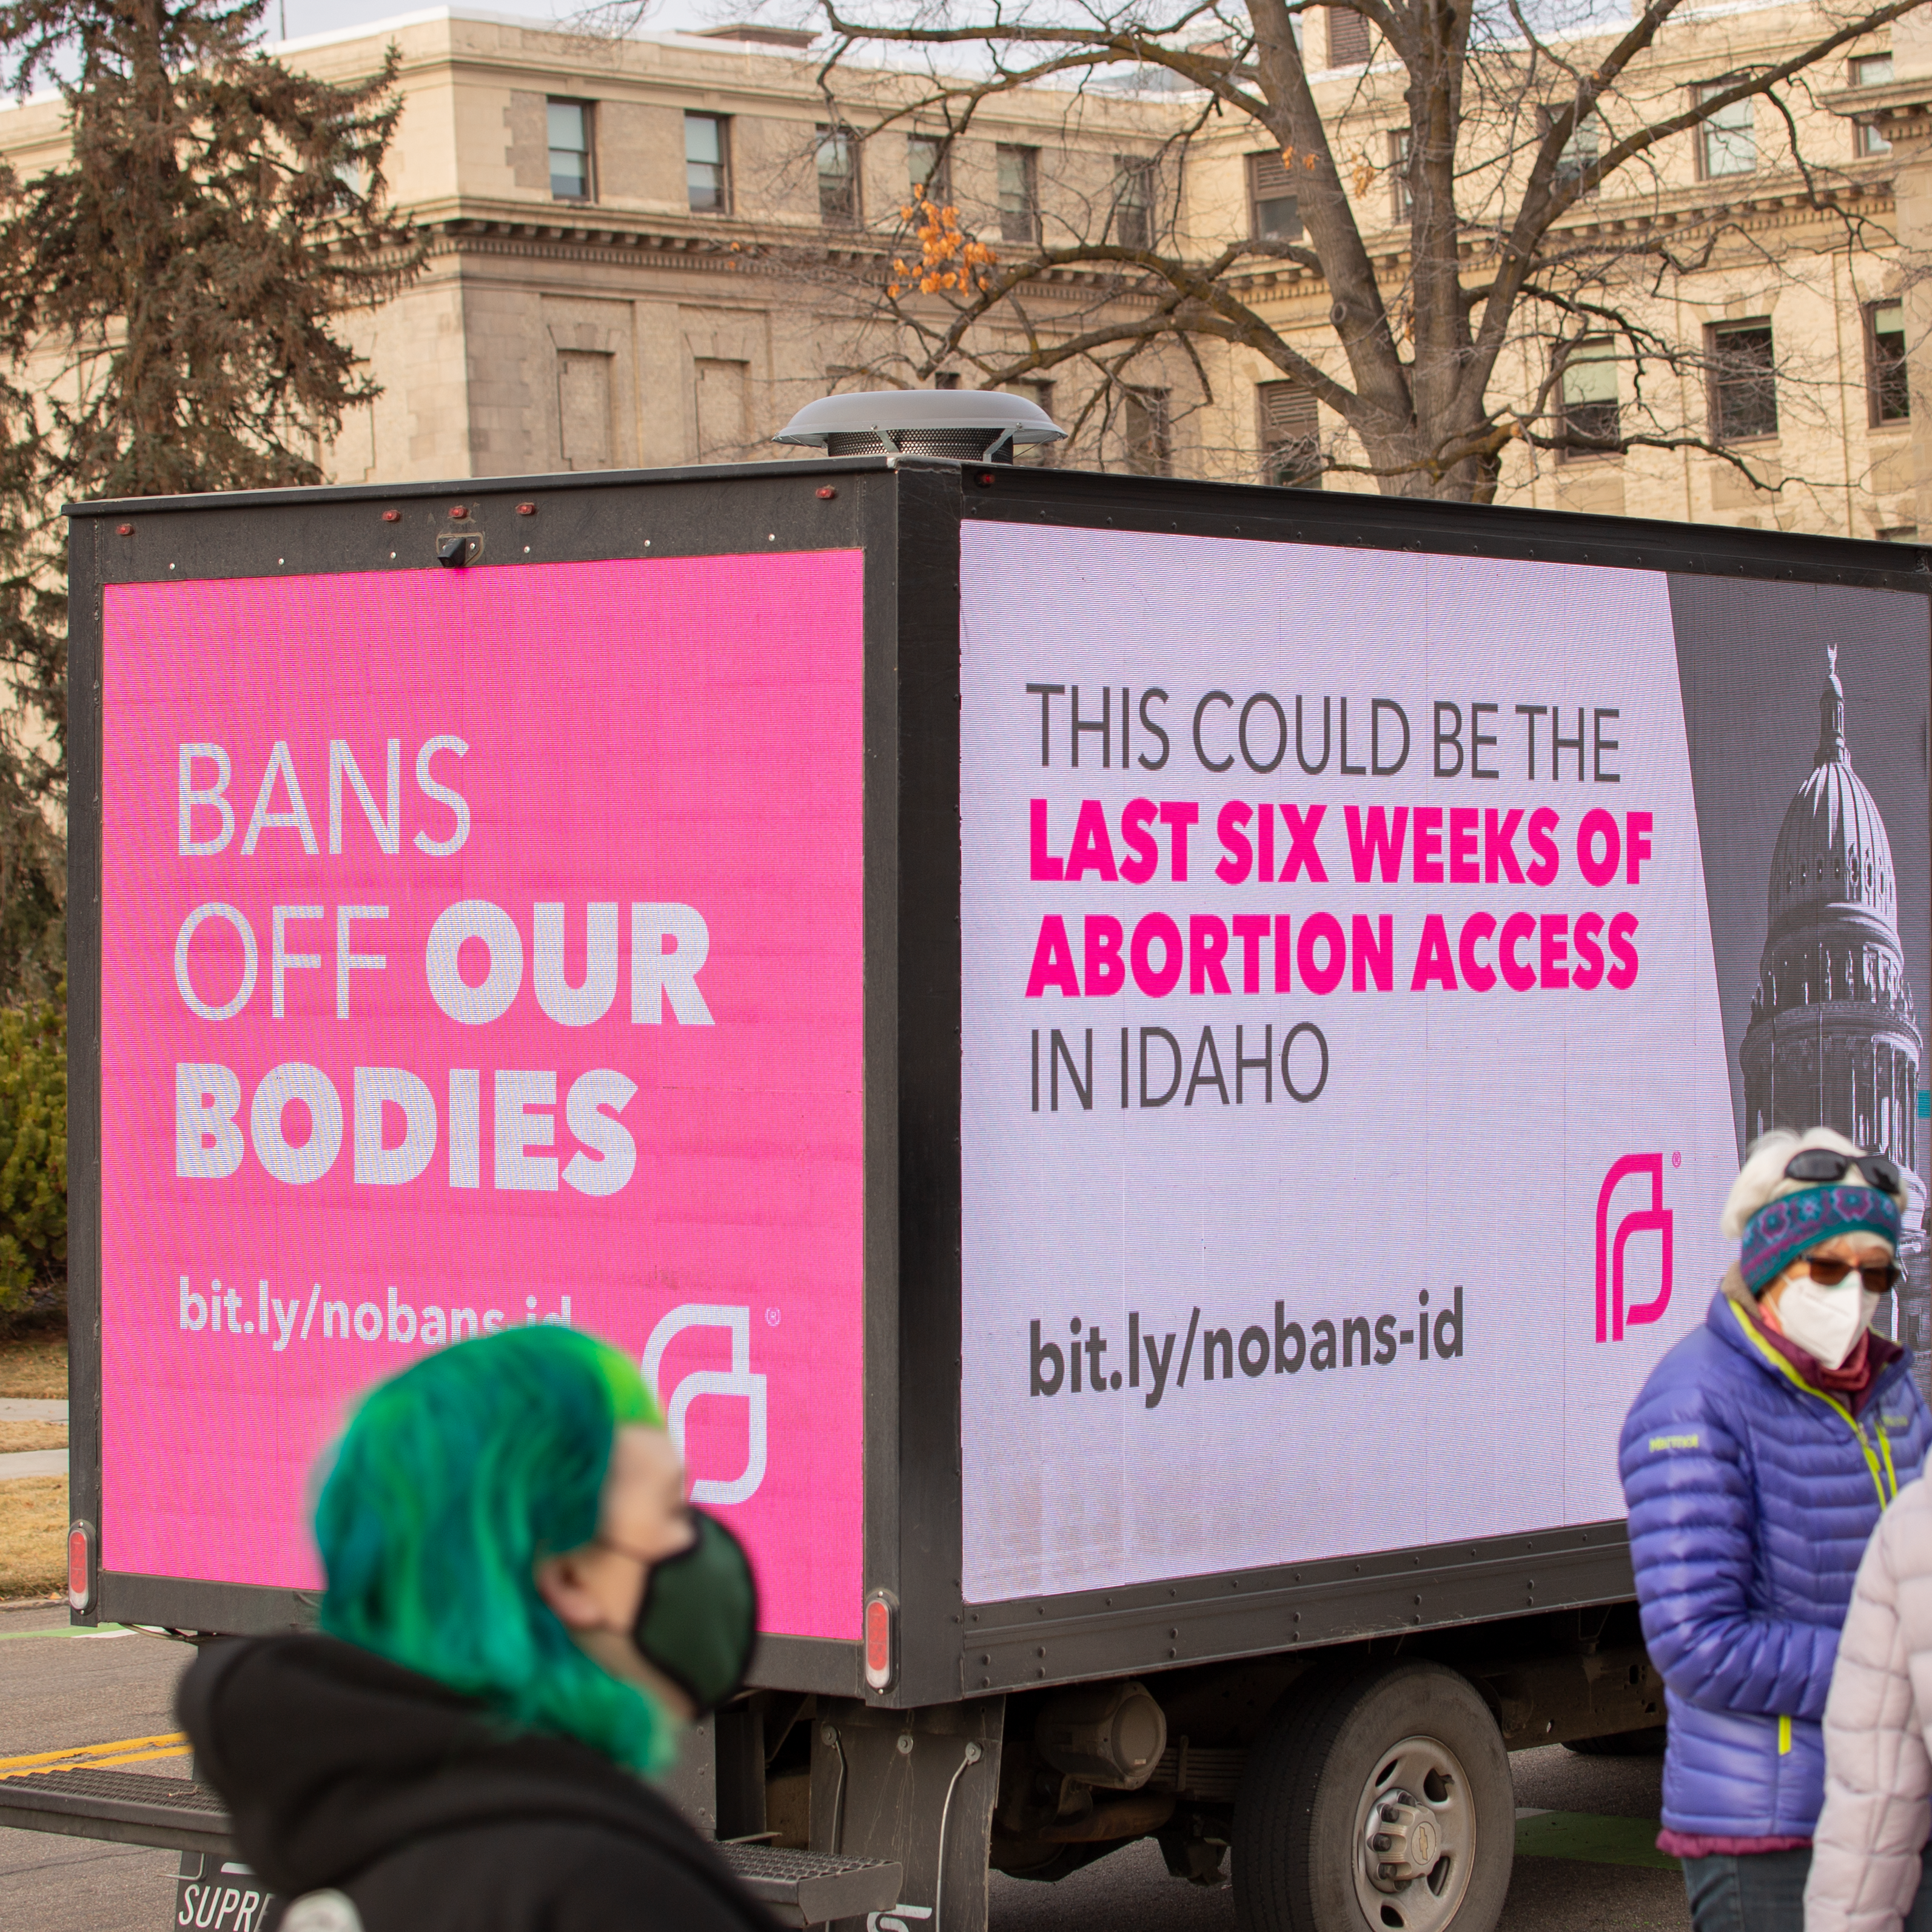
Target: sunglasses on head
(1879,1277)
(1824,1165)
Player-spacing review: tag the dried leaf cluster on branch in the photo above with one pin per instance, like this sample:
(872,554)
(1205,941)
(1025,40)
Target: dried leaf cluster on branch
(948,258)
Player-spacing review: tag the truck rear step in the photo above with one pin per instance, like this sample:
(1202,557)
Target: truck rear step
(797,1888)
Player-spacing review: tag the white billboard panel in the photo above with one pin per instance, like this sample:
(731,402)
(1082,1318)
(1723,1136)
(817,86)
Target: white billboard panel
(1349,1088)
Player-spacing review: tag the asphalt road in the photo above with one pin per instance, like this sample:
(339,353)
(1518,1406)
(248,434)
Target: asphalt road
(58,1691)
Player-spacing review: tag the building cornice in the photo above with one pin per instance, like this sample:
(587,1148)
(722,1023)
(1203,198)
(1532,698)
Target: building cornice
(454,228)
(1781,202)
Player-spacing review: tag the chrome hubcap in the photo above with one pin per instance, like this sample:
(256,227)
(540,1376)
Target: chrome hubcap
(1416,1830)
(1404,1841)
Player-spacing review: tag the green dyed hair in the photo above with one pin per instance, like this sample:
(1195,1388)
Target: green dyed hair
(453,1480)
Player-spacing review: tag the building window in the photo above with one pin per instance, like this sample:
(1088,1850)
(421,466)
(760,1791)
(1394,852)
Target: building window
(928,171)
(1870,71)
(1150,450)
(1897,533)
(1587,398)
(706,182)
(1133,201)
(1884,363)
(1274,210)
(1744,382)
(584,408)
(1347,37)
(1580,152)
(1399,145)
(1291,435)
(1726,143)
(838,177)
(1019,193)
(569,149)
(723,410)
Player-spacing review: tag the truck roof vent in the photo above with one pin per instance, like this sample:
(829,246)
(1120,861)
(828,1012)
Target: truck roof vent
(973,425)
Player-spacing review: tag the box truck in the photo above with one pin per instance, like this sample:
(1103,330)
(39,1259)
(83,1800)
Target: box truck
(1147,1066)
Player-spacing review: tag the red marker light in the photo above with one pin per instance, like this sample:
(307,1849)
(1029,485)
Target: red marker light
(79,1579)
(879,1641)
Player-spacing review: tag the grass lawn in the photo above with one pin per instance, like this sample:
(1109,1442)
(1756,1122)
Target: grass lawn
(33,1536)
(34,1365)
(15,1436)
(33,1509)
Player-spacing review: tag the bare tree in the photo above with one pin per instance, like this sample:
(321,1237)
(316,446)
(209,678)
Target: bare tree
(1469,266)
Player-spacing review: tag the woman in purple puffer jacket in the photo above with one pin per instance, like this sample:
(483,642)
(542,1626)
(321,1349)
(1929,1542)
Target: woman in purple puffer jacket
(1755,1464)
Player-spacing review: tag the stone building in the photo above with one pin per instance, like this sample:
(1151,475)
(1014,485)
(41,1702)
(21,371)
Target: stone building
(1897,103)
(651,252)
(639,253)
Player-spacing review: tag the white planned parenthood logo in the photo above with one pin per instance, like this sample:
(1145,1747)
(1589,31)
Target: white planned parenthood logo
(737,1380)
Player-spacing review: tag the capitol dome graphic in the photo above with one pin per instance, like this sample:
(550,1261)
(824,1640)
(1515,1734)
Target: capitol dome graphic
(1834,1038)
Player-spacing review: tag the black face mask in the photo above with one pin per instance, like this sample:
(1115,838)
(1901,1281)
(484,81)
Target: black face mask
(698,1623)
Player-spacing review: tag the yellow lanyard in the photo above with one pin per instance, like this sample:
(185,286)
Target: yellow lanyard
(1778,1361)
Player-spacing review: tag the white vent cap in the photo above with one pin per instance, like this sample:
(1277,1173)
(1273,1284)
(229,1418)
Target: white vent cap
(892,419)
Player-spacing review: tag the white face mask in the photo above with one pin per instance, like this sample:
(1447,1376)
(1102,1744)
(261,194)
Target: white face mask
(1825,1322)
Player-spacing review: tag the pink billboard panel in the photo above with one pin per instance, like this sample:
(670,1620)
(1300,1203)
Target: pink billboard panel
(482,947)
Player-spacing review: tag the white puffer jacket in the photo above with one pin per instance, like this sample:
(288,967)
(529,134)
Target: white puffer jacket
(1878,1775)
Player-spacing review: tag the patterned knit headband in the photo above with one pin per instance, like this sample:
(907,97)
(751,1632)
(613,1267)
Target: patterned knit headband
(1782,1230)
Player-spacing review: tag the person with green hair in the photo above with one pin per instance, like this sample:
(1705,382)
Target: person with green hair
(522,1613)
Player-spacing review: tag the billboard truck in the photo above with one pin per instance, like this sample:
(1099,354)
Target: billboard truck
(1147,1067)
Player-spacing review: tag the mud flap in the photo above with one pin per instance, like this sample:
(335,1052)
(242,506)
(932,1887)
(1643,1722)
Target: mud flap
(891,1784)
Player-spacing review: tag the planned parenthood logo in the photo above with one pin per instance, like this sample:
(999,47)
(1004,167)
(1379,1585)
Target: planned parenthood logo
(737,1380)
(1613,1312)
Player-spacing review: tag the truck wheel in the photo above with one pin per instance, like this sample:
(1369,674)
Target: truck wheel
(1381,1805)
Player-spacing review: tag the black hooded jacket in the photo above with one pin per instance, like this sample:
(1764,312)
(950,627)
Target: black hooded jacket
(343,1771)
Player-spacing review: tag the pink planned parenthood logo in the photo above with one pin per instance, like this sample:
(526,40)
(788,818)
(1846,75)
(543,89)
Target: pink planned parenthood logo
(1613,1312)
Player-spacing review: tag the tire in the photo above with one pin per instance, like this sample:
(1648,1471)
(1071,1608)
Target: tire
(1302,1857)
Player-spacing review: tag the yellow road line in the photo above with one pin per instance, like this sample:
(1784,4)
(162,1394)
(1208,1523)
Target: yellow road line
(118,1751)
(133,1757)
